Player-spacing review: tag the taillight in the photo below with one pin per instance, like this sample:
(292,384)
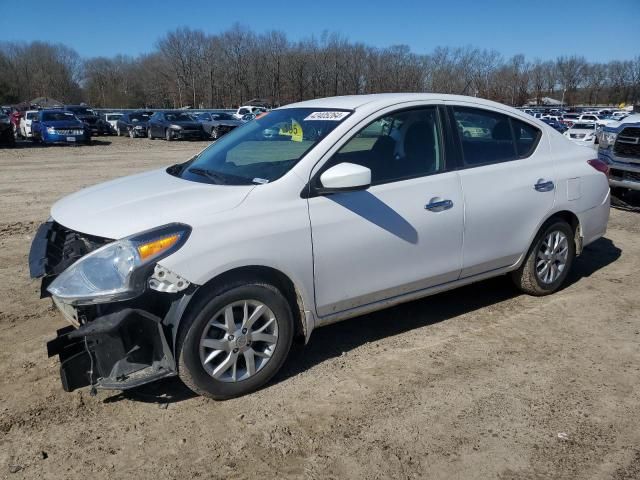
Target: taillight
(599,165)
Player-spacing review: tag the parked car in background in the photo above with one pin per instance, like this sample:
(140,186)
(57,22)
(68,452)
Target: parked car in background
(7,136)
(242,111)
(620,115)
(112,119)
(592,117)
(582,133)
(217,124)
(209,268)
(570,118)
(15,117)
(619,147)
(471,129)
(95,124)
(556,125)
(59,126)
(174,125)
(134,124)
(25,123)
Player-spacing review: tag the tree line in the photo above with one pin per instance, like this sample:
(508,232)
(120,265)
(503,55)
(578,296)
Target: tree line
(191,68)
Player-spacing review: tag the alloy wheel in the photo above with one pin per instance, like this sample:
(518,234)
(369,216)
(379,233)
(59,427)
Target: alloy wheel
(238,341)
(552,257)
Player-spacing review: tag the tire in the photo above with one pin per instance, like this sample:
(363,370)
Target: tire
(132,133)
(215,133)
(530,277)
(118,132)
(191,354)
(149,136)
(167,135)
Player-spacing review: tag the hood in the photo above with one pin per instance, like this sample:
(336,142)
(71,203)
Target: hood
(186,123)
(634,118)
(129,205)
(228,123)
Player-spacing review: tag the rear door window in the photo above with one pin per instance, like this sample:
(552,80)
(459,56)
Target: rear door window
(486,136)
(490,137)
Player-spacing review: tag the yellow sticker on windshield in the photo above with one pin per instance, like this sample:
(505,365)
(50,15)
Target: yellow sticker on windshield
(294,131)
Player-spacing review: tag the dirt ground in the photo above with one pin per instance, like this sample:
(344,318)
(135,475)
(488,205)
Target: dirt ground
(482,382)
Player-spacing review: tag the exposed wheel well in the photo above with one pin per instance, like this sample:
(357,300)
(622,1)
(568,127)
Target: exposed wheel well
(574,222)
(267,275)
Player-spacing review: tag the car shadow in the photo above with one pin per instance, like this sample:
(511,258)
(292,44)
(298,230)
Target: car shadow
(335,340)
(372,209)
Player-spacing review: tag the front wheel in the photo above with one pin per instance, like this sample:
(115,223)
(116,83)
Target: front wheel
(234,340)
(215,133)
(132,133)
(548,261)
(167,135)
(149,136)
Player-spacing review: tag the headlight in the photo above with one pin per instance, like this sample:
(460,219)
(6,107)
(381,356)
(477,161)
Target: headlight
(119,270)
(176,127)
(51,130)
(607,138)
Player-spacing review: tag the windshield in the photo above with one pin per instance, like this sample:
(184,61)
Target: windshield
(584,126)
(114,116)
(81,110)
(139,117)
(178,117)
(57,116)
(222,116)
(31,115)
(263,150)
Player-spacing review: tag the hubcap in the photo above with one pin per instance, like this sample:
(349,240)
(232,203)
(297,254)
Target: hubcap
(238,341)
(552,257)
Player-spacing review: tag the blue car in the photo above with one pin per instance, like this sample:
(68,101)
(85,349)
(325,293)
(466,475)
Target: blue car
(58,126)
(556,125)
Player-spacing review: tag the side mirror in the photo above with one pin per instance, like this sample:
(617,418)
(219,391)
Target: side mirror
(345,177)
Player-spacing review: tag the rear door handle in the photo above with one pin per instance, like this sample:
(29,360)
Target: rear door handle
(544,185)
(436,205)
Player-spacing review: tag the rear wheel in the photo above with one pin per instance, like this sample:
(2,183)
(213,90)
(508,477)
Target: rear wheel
(149,136)
(234,340)
(132,133)
(549,260)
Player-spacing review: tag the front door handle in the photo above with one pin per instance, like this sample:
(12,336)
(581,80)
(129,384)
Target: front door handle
(436,205)
(544,185)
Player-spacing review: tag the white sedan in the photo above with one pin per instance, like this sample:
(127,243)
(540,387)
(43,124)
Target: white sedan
(312,213)
(582,133)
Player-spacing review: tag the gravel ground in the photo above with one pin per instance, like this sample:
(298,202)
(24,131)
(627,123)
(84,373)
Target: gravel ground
(482,382)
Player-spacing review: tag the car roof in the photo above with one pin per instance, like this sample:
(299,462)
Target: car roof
(353,102)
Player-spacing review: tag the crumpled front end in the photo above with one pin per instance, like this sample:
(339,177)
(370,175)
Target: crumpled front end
(114,344)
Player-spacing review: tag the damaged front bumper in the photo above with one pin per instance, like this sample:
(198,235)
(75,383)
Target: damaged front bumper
(117,345)
(120,350)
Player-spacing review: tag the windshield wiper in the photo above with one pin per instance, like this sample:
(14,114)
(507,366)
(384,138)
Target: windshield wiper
(216,177)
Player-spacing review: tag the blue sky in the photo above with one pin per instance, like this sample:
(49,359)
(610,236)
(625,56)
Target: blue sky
(600,30)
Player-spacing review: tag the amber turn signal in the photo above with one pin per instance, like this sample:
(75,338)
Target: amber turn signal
(154,247)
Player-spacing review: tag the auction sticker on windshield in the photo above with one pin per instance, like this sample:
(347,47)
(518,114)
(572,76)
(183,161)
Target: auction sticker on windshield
(334,116)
